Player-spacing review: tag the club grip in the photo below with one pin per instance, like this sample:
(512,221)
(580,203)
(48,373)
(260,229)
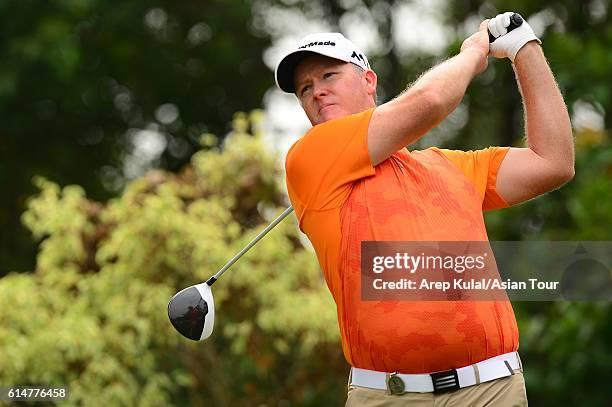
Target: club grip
(515,21)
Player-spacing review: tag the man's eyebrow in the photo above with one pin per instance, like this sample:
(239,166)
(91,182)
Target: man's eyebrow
(300,83)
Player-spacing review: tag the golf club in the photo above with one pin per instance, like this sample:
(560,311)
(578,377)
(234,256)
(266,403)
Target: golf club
(192,310)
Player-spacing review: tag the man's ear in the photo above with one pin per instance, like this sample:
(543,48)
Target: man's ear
(371,81)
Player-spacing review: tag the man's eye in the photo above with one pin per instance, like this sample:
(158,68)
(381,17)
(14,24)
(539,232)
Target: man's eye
(304,89)
(328,74)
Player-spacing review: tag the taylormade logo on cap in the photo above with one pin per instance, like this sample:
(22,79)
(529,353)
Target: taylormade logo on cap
(312,44)
(333,45)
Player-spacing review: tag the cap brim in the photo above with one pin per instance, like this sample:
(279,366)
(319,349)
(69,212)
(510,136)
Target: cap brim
(286,68)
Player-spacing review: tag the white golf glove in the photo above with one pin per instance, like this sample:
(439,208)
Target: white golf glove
(507,44)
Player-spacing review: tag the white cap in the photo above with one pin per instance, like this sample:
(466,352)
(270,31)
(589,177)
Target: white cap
(333,45)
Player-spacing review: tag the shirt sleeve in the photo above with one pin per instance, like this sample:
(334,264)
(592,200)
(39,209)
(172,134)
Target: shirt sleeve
(481,167)
(321,166)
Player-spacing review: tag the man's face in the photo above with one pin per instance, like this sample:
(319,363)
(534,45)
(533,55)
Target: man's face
(328,88)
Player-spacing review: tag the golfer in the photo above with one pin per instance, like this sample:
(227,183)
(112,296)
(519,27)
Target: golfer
(351,179)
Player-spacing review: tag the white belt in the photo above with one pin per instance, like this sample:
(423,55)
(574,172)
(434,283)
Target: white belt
(439,382)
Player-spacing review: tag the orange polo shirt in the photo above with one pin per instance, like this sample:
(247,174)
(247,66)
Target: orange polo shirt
(340,199)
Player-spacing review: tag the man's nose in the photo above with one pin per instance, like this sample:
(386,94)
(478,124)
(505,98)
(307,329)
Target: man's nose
(319,90)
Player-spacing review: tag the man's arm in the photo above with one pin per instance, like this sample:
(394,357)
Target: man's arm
(434,96)
(549,161)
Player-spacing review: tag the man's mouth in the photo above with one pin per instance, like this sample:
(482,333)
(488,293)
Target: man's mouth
(324,107)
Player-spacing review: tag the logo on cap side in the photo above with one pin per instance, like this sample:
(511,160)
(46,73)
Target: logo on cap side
(360,57)
(316,43)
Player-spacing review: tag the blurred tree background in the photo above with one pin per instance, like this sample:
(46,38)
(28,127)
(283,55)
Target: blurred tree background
(117,194)
(92,93)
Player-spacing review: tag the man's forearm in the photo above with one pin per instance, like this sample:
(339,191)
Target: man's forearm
(405,119)
(547,123)
(432,97)
(447,82)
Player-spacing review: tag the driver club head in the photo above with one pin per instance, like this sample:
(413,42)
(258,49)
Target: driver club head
(192,312)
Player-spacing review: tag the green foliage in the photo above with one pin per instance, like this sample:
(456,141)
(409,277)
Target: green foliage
(565,349)
(78,75)
(93,315)
(565,346)
(96,333)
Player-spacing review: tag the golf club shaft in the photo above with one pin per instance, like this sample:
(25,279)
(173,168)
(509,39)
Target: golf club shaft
(257,238)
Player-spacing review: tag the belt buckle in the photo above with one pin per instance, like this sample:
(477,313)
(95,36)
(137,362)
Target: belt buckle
(445,381)
(395,384)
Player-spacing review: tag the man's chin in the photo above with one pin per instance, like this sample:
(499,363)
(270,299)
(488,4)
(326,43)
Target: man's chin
(331,115)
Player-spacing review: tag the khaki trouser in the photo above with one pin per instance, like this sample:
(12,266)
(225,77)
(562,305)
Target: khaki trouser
(505,392)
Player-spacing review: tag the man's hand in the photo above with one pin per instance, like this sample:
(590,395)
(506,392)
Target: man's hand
(507,44)
(479,44)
